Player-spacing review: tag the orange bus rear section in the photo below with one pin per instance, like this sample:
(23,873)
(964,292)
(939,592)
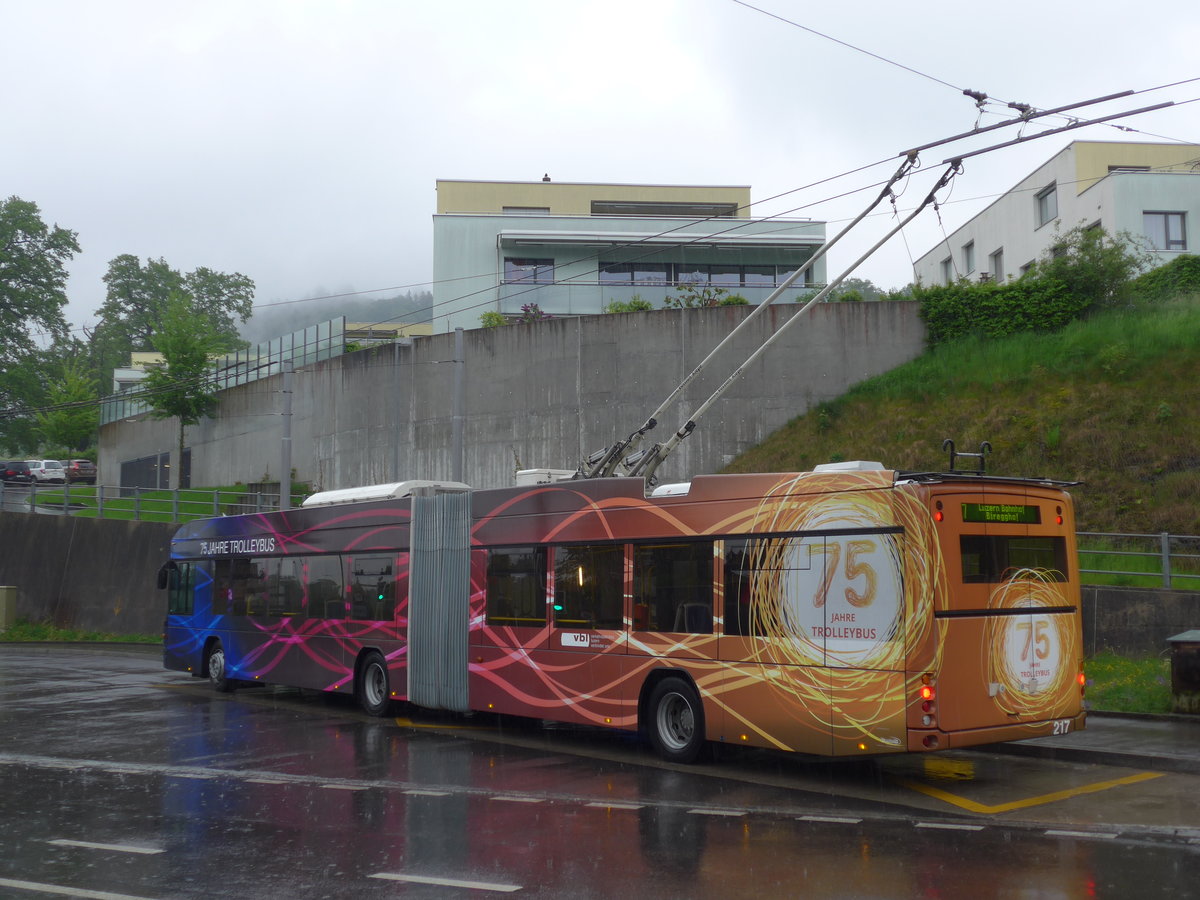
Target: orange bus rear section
(848,611)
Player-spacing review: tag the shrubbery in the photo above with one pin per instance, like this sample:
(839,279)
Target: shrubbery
(1178,277)
(1087,270)
(996,310)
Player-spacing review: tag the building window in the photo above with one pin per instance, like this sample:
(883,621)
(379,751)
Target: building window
(1046,205)
(724,275)
(997,265)
(969,257)
(1166,230)
(528,271)
(947,271)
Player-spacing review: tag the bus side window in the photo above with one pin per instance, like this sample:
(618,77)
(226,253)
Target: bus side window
(373,589)
(322,577)
(673,587)
(588,586)
(516,586)
(738,572)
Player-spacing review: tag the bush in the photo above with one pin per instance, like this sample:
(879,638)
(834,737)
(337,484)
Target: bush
(492,319)
(1096,267)
(1180,276)
(634,304)
(995,310)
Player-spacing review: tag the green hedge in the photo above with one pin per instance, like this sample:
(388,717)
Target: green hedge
(1180,276)
(995,310)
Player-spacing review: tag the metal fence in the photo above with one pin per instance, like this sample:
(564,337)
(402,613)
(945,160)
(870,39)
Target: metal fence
(303,347)
(137,503)
(1140,560)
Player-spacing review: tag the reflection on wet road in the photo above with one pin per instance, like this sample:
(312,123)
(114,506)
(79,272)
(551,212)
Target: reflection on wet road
(114,786)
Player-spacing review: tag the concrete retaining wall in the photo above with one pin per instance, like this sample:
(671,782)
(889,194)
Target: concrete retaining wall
(1136,621)
(544,394)
(85,573)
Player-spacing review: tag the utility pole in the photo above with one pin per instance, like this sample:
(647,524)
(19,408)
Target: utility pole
(459,409)
(285,463)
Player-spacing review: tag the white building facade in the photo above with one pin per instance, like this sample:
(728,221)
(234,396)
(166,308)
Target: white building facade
(1151,191)
(575,248)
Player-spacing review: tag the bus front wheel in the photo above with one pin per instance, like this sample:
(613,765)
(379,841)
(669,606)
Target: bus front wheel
(215,664)
(676,721)
(373,692)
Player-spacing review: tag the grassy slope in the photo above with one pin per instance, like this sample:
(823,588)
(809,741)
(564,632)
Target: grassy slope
(1113,402)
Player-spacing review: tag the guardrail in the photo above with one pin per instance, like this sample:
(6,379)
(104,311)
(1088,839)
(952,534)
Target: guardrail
(1140,560)
(137,503)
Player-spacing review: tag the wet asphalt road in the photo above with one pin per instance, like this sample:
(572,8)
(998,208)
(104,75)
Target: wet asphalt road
(118,779)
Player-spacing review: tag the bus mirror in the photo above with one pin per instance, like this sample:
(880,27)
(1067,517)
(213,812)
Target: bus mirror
(168,575)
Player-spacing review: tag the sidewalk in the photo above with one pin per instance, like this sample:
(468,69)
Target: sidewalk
(1164,743)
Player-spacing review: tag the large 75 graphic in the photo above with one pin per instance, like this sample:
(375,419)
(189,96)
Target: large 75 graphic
(1036,639)
(855,568)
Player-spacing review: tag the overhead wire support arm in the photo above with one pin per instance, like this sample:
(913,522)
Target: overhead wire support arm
(647,461)
(1025,117)
(1068,127)
(605,462)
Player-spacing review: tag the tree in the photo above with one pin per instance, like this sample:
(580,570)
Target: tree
(852,289)
(73,415)
(135,305)
(33,279)
(1096,267)
(182,386)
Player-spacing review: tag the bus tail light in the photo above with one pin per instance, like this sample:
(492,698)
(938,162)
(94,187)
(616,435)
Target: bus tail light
(928,696)
(1082,679)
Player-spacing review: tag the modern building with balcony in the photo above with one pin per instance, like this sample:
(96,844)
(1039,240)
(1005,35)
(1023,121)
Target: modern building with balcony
(574,248)
(1151,191)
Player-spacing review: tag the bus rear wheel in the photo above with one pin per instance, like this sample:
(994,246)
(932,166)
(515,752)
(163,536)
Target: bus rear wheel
(373,690)
(676,721)
(215,664)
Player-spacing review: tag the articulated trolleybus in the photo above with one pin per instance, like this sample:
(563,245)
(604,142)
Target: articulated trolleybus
(850,610)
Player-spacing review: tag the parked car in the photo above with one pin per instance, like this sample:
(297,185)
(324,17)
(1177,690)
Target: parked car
(15,472)
(48,470)
(81,470)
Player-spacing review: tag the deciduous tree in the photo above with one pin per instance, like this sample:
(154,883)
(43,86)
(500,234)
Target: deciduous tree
(181,386)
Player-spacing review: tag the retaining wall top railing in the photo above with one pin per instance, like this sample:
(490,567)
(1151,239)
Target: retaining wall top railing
(303,347)
(137,503)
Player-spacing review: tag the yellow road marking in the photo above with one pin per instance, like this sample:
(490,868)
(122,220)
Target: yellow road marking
(436,726)
(972,806)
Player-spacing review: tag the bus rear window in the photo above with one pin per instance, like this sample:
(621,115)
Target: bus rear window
(990,559)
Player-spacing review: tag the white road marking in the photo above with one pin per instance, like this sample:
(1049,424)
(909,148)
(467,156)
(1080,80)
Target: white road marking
(345,787)
(717,812)
(949,826)
(61,891)
(838,820)
(120,848)
(600,805)
(1101,835)
(265,781)
(448,882)
(510,798)
(419,793)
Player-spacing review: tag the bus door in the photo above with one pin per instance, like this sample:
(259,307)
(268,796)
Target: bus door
(585,650)
(1011,623)
(504,672)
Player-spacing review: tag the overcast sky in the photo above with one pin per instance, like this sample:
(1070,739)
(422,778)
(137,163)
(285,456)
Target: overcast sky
(298,142)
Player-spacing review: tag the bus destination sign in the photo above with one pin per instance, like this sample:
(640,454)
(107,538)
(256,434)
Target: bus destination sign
(1005,513)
